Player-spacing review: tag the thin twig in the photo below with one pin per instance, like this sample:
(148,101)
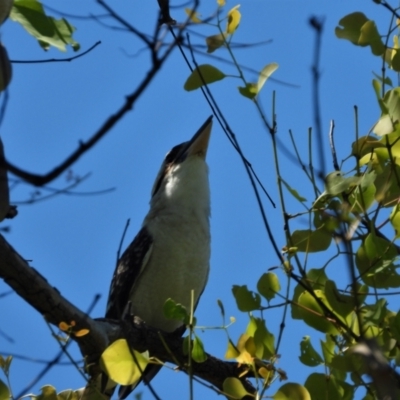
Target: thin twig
(333,148)
(57,59)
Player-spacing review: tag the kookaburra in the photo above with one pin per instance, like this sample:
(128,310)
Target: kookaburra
(170,255)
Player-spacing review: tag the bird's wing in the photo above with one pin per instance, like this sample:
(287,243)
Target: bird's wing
(132,262)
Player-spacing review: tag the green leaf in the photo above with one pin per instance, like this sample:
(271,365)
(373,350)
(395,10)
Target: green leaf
(264,340)
(268,285)
(249,91)
(292,391)
(308,355)
(336,183)
(198,353)
(214,42)
(392,102)
(363,197)
(387,188)
(311,241)
(320,383)
(176,311)
(395,219)
(47,30)
(342,304)
(374,260)
(5,364)
(328,349)
(365,145)
(117,362)
(315,279)
(221,307)
(246,300)
(265,73)
(4,391)
(294,192)
(234,389)
(203,74)
(313,314)
(69,395)
(48,393)
(361,31)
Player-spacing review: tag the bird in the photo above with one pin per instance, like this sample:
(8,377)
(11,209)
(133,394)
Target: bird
(170,256)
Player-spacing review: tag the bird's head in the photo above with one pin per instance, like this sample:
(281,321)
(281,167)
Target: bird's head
(183,176)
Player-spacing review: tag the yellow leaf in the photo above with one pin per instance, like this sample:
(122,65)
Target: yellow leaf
(63,326)
(233,20)
(120,366)
(245,358)
(193,15)
(231,351)
(81,332)
(221,3)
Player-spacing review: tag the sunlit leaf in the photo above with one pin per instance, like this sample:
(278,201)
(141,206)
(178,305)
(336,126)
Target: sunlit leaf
(193,15)
(384,125)
(64,326)
(203,74)
(221,3)
(231,351)
(268,285)
(336,183)
(264,340)
(81,332)
(316,278)
(120,366)
(361,31)
(313,314)
(234,388)
(249,91)
(365,145)
(265,73)
(48,393)
(341,303)
(70,395)
(234,17)
(292,391)
(47,30)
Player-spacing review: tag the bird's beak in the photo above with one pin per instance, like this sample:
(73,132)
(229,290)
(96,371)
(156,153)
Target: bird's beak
(198,144)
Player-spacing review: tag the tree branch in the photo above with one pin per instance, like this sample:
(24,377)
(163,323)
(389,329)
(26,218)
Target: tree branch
(48,301)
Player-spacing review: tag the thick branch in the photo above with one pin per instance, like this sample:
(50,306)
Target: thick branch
(48,301)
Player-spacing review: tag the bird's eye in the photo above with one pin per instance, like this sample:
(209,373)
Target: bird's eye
(172,155)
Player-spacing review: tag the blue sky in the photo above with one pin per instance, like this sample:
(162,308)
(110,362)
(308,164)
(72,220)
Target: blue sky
(73,240)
